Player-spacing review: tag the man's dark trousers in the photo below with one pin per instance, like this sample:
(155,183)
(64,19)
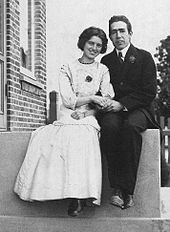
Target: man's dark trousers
(121,142)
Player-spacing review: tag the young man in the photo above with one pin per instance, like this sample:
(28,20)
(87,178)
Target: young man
(133,76)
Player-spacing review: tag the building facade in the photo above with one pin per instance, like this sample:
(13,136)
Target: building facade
(22,64)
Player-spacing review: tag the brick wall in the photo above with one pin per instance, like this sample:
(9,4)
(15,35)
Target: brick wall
(26,100)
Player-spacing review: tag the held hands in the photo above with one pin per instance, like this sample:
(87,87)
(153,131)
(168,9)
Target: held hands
(100,101)
(106,104)
(113,105)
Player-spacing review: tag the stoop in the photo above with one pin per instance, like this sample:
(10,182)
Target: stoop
(51,216)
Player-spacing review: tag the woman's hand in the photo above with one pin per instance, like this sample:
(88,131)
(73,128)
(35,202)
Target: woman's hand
(78,115)
(99,100)
(113,105)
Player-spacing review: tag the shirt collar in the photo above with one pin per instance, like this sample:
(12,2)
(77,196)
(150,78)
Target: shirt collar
(123,51)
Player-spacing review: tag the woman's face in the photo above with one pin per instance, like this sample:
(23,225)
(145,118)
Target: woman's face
(92,47)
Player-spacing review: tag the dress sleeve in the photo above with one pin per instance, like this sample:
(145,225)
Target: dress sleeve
(66,90)
(106,87)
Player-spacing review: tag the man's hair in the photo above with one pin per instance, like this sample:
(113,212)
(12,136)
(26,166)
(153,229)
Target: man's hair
(122,18)
(88,33)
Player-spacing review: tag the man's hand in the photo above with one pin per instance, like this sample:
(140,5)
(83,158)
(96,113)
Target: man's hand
(113,105)
(100,101)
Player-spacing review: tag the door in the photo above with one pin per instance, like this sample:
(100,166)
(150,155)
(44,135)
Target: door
(2,67)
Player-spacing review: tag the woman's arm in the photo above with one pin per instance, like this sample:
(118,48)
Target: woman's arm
(99,100)
(106,88)
(68,95)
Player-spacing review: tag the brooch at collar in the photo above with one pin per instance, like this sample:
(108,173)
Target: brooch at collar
(88,79)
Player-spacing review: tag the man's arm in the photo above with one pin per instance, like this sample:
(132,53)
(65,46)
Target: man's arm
(146,93)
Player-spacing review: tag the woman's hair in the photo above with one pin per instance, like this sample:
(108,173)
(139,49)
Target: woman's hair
(88,33)
(122,18)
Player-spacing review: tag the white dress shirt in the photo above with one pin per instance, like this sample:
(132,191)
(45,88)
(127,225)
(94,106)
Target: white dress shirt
(123,51)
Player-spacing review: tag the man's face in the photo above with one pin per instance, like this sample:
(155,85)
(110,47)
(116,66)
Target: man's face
(119,35)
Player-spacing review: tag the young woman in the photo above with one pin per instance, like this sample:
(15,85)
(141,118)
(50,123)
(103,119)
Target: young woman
(63,159)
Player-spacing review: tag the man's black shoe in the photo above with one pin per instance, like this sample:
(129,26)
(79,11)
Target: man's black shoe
(128,201)
(117,198)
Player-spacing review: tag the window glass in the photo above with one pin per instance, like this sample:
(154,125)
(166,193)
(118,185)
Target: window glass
(1,26)
(26,33)
(1,88)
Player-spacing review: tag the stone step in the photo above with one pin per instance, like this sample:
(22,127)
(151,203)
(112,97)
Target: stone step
(165,202)
(147,193)
(44,224)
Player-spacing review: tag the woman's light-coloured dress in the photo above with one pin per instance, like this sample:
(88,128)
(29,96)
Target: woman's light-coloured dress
(63,159)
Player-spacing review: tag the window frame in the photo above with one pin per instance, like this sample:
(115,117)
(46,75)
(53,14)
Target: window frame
(2,59)
(2,27)
(2,110)
(25,71)
(3,98)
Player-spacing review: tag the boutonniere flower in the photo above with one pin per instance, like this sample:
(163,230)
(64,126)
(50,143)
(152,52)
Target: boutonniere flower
(88,79)
(132,59)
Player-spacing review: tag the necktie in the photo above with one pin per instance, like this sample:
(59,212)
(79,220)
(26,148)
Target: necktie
(120,57)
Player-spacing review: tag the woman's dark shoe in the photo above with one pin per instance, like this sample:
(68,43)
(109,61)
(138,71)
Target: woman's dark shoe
(76,207)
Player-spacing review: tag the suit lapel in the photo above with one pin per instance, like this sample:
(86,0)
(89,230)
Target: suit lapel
(128,62)
(118,70)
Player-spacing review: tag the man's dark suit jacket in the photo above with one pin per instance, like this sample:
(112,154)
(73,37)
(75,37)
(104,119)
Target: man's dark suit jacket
(134,81)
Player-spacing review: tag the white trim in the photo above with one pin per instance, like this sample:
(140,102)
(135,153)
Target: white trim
(27,72)
(32,81)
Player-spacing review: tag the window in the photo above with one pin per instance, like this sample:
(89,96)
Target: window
(27,37)
(1,27)
(1,57)
(1,88)
(3,118)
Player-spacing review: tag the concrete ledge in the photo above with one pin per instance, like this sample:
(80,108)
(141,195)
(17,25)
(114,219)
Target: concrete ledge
(147,194)
(28,224)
